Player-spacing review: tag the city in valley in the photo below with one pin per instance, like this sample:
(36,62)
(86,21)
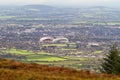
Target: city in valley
(68,37)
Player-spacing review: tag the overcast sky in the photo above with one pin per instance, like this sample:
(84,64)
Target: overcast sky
(110,3)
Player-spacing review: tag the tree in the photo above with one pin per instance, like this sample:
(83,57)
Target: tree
(111,63)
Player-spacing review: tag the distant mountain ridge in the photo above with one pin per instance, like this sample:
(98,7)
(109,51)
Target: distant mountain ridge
(43,7)
(55,14)
(51,8)
(37,6)
(46,6)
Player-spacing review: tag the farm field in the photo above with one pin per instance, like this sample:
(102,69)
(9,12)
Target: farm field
(44,57)
(59,45)
(6,17)
(16,51)
(52,59)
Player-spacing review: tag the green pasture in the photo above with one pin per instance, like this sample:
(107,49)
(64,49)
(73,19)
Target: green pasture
(88,15)
(57,45)
(99,23)
(113,23)
(17,51)
(45,57)
(97,52)
(71,45)
(21,52)
(42,52)
(6,17)
(32,9)
(31,19)
(49,58)
(67,63)
(67,49)
(75,58)
(107,23)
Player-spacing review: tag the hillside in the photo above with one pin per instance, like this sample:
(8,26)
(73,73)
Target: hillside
(13,70)
(50,14)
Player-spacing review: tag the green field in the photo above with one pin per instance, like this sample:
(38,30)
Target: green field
(31,19)
(97,52)
(47,58)
(6,17)
(113,23)
(22,52)
(44,57)
(17,51)
(72,46)
(58,45)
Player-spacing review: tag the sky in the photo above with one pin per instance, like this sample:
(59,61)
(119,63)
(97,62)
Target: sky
(76,3)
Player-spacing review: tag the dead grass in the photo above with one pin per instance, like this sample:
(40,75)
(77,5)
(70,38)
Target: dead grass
(13,70)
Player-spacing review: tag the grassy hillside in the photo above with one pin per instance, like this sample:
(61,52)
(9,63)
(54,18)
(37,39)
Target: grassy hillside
(13,70)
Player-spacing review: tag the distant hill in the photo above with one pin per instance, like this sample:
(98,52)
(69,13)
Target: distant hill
(41,7)
(99,7)
(13,70)
(44,6)
(50,14)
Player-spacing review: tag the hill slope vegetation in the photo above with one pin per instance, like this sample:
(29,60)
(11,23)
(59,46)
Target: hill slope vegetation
(13,70)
